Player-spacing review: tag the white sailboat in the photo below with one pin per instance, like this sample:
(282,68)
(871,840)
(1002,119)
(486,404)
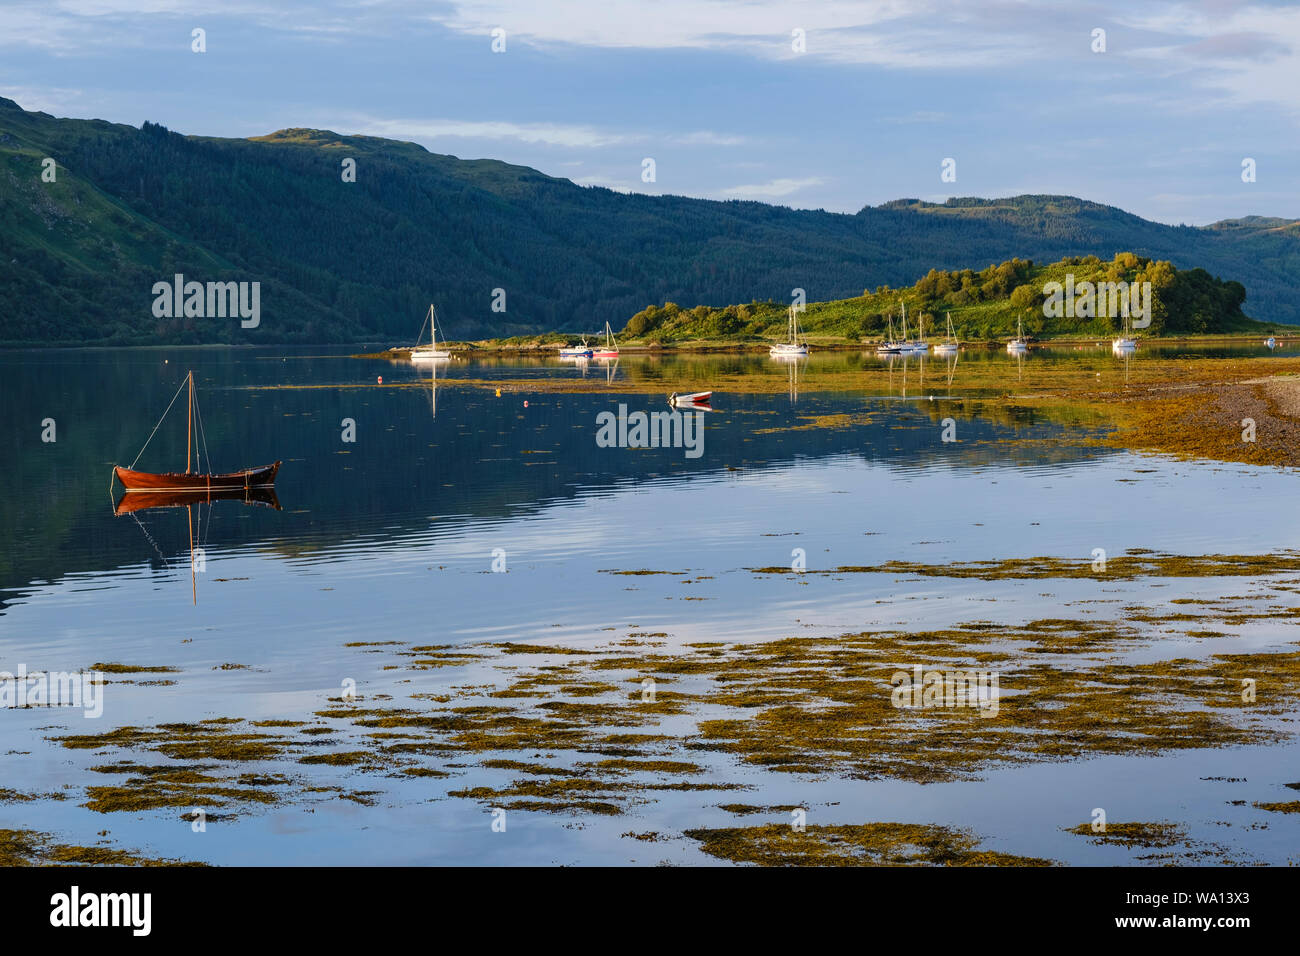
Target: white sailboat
(1125,342)
(793,346)
(1020,344)
(890,346)
(610,348)
(917,344)
(430,352)
(949,345)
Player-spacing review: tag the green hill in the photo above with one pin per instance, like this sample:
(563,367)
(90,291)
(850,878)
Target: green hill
(984,305)
(360,261)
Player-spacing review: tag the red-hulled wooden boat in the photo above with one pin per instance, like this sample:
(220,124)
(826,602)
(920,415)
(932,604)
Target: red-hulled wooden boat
(263,477)
(190,480)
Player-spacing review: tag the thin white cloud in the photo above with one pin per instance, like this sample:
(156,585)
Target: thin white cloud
(567,135)
(548,134)
(44,99)
(1250,52)
(837,30)
(708,138)
(773,189)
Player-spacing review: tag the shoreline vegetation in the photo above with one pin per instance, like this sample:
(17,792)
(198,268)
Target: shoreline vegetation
(987,308)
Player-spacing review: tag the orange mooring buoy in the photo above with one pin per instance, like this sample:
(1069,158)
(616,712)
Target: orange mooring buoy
(381,380)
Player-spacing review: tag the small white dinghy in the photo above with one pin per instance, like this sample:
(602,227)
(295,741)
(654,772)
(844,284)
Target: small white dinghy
(693,398)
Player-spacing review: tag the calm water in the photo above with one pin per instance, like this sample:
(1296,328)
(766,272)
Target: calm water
(393,536)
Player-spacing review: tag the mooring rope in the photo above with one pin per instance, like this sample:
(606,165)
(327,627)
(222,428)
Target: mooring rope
(155,428)
(198,420)
(150,539)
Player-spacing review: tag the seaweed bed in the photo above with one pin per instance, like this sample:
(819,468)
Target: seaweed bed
(602,730)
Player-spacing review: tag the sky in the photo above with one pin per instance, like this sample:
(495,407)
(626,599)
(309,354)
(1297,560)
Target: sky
(831,105)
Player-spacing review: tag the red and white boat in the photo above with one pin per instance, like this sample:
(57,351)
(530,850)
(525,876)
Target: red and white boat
(693,398)
(610,348)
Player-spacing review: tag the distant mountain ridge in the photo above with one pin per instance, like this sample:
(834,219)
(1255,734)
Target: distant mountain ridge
(352,261)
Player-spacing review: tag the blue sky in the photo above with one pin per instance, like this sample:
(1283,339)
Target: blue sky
(716,94)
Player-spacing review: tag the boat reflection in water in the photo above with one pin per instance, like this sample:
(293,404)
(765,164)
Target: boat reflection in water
(145,500)
(134,501)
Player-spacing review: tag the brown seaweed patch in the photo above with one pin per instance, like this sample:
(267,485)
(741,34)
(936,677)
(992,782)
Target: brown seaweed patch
(153,793)
(113,668)
(1134,563)
(350,758)
(433,656)
(866,844)
(30,848)
(16,796)
(1146,835)
(207,740)
(747,809)
(1289,806)
(513,648)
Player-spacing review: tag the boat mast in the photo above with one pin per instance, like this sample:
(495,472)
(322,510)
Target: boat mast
(189,427)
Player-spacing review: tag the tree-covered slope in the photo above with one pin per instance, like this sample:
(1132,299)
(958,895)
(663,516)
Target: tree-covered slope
(993,303)
(361,260)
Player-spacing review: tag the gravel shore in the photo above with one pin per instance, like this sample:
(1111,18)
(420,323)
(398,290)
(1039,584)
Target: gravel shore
(1215,421)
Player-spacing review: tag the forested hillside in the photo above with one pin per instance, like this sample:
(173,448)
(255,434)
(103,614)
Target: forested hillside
(986,305)
(352,261)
